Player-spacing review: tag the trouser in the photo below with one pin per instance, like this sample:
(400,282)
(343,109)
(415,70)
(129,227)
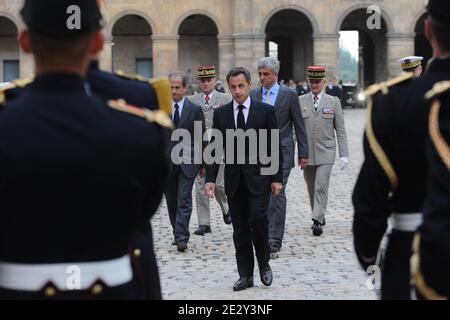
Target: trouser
(203,209)
(178,194)
(395,276)
(318,180)
(145,268)
(250,228)
(277,214)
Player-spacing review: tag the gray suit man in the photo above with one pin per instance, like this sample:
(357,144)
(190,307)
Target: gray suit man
(289,116)
(209,99)
(323,117)
(183,168)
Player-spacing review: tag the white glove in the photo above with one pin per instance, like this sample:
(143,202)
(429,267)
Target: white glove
(343,163)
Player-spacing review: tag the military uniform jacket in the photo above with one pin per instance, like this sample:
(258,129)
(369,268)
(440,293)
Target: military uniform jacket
(321,127)
(396,181)
(218,100)
(76,176)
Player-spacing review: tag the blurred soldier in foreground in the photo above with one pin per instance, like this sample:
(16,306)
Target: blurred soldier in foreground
(392,179)
(430,264)
(77,178)
(149,94)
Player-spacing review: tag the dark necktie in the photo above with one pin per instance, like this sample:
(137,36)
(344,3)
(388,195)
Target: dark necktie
(176,116)
(241,118)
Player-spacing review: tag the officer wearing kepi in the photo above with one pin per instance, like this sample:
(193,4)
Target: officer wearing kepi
(210,100)
(80,179)
(391,183)
(431,260)
(412,64)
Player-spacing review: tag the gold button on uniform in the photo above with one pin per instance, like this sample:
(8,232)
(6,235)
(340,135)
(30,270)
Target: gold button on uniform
(50,292)
(97,289)
(137,253)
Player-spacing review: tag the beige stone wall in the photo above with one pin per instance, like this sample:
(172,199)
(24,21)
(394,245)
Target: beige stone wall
(241,31)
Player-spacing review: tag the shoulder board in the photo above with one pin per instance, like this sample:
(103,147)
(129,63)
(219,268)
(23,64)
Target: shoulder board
(438,89)
(159,117)
(131,76)
(384,86)
(3,94)
(437,138)
(21,83)
(163,93)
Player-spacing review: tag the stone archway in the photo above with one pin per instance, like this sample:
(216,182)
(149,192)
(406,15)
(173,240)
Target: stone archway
(373,66)
(198,43)
(132,47)
(289,38)
(9,50)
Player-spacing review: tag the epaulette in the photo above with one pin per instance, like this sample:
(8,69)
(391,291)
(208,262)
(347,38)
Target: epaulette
(160,117)
(374,144)
(161,86)
(131,76)
(163,93)
(438,89)
(439,142)
(384,86)
(21,83)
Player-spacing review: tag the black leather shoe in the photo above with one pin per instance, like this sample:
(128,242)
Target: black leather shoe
(181,246)
(227,218)
(317,228)
(202,230)
(243,283)
(266,275)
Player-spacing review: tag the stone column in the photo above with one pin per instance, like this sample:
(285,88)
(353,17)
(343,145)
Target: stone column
(165,54)
(399,45)
(249,48)
(326,52)
(106,56)
(26,65)
(226,56)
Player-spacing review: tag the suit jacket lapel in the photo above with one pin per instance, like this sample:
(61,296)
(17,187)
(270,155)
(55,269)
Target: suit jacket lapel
(322,103)
(251,115)
(280,97)
(231,124)
(185,113)
(214,99)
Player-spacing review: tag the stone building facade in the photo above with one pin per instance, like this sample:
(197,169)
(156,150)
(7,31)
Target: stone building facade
(154,37)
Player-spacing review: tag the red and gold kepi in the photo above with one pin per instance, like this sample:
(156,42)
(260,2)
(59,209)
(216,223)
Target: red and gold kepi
(317,72)
(206,72)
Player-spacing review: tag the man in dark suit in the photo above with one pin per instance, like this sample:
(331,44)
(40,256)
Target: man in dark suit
(87,177)
(246,185)
(334,90)
(185,158)
(288,114)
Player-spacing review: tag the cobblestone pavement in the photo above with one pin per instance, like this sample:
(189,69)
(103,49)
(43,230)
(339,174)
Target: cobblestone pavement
(307,268)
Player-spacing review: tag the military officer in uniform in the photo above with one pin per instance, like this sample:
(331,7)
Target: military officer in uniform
(323,117)
(412,64)
(209,99)
(431,260)
(87,177)
(391,183)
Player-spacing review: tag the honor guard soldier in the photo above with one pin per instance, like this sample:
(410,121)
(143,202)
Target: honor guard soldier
(324,122)
(153,95)
(430,264)
(78,175)
(209,99)
(391,183)
(412,64)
